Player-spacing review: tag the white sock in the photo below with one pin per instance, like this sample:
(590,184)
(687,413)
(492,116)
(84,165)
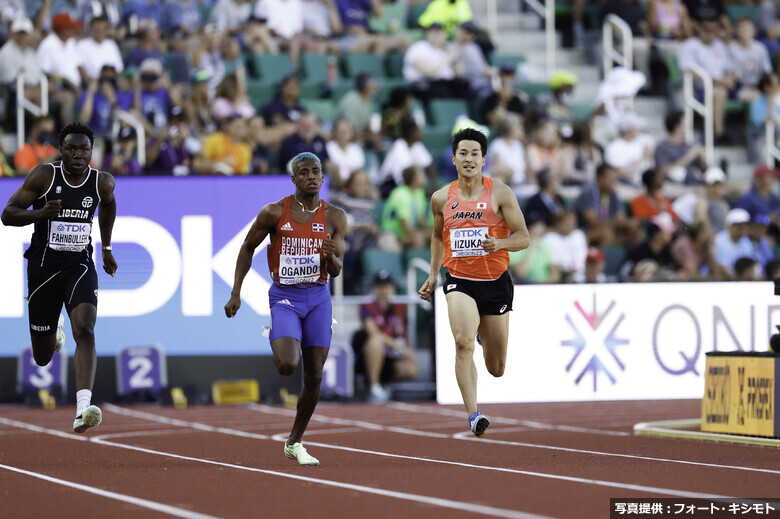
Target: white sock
(83,398)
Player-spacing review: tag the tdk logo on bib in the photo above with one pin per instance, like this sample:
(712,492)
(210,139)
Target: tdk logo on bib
(72,227)
(300,260)
(469,233)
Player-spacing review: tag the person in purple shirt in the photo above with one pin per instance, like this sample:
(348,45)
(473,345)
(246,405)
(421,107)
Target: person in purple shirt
(760,199)
(138,13)
(166,152)
(305,138)
(148,47)
(155,102)
(122,160)
(286,105)
(100,99)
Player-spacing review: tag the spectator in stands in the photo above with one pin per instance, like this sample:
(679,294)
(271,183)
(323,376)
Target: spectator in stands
(506,153)
(447,13)
(148,47)
(346,154)
(581,157)
(600,213)
(614,100)
(111,10)
(631,154)
(166,151)
(406,151)
(226,152)
(655,247)
(772,269)
(181,16)
(406,213)
(747,269)
(761,114)
(555,105)
(429,66)
(285,21)
(17,56)
(231,15)
(751,60)
(757,233)
(668,21)
(307,137)
(40,147)
(397,110)
(469,61)
(701,11)
(137,15)
(153,100)
(732,243)
(534,264)
(259,164)
(197,106)
(710,53)
(5,163)
(632,12)
(179,58)
(545,152)
(101,50)
(507,99)
(568,245)
(101,99)
(382,352)
(286,105)
(358,200)
(231,97)
(546,204)
(768,25)
(674,153)
(59,59)
(355,35)
(652,202)
(760,199)
(122,160)
(357,106)
(692,251)
(595,262)
(707,205)
(207,59)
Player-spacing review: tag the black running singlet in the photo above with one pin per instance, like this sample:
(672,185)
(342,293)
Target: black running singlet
(66,239)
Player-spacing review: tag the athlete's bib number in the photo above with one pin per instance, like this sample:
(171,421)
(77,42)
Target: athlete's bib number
(467,241)
(69,236)
(299,269)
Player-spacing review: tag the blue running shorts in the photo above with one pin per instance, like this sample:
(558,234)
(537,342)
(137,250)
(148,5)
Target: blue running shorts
(305,314)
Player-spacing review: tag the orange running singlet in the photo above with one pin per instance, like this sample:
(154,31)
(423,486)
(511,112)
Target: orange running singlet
(465,225)
(295,255)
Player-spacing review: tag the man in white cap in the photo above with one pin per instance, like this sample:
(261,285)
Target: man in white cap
(676,155)
(17,56)
(705,204)
(632,152)
(732,243)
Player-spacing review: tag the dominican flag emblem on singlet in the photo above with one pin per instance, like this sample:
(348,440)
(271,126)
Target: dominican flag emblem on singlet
(317,227)
(481,205)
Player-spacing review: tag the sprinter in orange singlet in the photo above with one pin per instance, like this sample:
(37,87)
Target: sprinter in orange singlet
(476,221)
(306,248)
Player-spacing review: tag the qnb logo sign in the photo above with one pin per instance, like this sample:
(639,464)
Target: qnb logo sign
(595,343)
(188,263)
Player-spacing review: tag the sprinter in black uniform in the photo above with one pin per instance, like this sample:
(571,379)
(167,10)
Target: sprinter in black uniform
(64,196)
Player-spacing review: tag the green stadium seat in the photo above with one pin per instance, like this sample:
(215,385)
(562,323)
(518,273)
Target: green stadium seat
(423,254)
(373,260)
(395,64)
(324,109)
(582,110)
(413,15)
(443,112)
(392,19)
(534,89)
(499,59)
(386,85)
(315,67)
(260,93)
(356,63)
(436,139)
(737,11)
(614,256)
(270,68)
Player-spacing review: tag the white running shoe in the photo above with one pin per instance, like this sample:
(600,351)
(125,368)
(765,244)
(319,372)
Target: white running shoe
(60,334)
(90,416)
(378,395)
(298,452)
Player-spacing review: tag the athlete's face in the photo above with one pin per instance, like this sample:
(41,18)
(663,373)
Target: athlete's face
(307,177)
(76,153)
(468,159)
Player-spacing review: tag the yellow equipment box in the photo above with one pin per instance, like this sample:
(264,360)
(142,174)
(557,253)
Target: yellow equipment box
(232,392)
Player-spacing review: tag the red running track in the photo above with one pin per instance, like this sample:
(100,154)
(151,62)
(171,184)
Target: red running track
(561,460)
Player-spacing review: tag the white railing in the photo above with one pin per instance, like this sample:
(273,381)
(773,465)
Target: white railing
(545,9)
(411,299)
(772,151)
(22,103)
(140,133)
(692,104)
(624,58)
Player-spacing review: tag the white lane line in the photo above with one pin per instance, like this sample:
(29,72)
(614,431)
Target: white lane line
(673,492)
(509,421)
(467,436)
(435,501)
(145,503)
(343,421)
(36,428)
(428,500)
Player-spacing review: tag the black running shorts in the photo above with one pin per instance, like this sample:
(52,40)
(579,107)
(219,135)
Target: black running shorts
(49,288)
(492,297)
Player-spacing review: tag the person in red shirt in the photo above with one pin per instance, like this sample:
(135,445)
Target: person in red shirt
(39,148)
(652,203)
(382,351)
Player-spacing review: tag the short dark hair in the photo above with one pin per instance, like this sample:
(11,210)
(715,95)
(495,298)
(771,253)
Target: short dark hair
(764,80)
(78,129)
(673,118)
(362,80)
(470,134)
(408,127)
(101,18)
(743,264)
(408,175)
(648,177)
(602,169)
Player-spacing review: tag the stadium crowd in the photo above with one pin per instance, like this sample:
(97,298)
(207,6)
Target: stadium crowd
(238,87)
